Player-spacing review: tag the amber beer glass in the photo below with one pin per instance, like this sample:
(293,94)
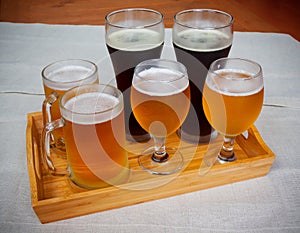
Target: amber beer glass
(132,36)
(94,130)
(200,36)
(58,77)
(232,99)
(160,99)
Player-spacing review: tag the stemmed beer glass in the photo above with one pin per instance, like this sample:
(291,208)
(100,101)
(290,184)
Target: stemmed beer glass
(233,97)
(160,99)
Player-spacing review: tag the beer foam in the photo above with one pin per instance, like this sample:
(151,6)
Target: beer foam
(62,78)
(91,108)
(235,82)
(201,40)
(160,82)
(134,39)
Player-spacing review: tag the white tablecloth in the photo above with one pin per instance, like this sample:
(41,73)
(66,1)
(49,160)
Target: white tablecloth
(267,204)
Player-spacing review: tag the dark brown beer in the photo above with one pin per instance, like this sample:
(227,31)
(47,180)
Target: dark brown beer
(127,48)
(197,49)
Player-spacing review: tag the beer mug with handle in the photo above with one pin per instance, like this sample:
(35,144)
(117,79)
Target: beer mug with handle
(58,77)
(94,133)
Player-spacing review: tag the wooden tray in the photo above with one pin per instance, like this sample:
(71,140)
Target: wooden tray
(56,198)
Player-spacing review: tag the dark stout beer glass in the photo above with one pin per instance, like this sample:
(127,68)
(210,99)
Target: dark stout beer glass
(200,36)
(132,36)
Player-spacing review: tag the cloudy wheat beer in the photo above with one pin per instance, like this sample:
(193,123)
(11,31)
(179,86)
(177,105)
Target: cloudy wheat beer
(232,110)
(129,42)
(59,77)
(164,102)
(200,37)
(94,133)
(232,99)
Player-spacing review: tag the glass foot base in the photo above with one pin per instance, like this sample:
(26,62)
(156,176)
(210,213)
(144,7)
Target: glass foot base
(223,159)
(166,167)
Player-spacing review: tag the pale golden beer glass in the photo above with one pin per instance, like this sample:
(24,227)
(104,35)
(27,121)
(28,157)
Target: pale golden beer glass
(94,133)
(58,77)
(160,99)
(233,98)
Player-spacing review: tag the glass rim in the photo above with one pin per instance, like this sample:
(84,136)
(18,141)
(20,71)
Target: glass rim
(88,86)
(183,74)
(95,70)
(255,75)
(108,22)
(204,10)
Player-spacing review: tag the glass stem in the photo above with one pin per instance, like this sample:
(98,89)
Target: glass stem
(226,154)
(160,155)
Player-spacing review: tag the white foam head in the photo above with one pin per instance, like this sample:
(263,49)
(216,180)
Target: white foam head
(234,82)
(69,76)
(160,82)
(202,40)
(134,39)
(92,108)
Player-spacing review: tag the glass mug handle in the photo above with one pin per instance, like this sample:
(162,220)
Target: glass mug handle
(45,147)
(47,103)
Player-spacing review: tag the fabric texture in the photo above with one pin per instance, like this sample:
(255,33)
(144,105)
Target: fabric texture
(267,204)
